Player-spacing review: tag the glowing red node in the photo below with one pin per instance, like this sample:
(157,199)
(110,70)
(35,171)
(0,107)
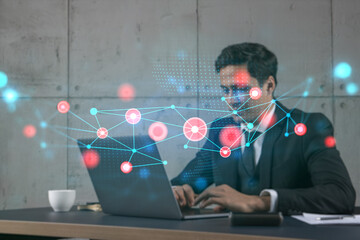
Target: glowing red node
(158,131)
(29,131)
(242,78)
(225,152)
(126,92)
(230,135)
(195,129)
(300,129)
(91,158)
(126,167)
(133,116)
(102,133)
(330,142)
(255,93)
(63,107)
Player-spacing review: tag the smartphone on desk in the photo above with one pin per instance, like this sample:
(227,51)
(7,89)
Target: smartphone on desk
(256,219)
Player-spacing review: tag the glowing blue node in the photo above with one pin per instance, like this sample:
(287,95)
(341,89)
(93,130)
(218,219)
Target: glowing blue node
(93,111)
(185,146)
(273,101)
(43,124)
(134,150)
(310,79)
(172,106)
(352,88)
(3,79)
(250,126)
(286,134)
(235,112)
(201,183)
(43,145)
(144,173)
(288,115)
(10,95)
(181,54)
(181,89)
(342,70)
(88,146)
(247,144)
(223,99)
(165,162)
(306,93)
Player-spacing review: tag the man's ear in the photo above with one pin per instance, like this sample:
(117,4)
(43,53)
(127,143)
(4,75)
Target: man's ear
(270,85)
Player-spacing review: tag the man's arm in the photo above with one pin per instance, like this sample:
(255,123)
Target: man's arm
(198,173)
(228,198)
(332,190)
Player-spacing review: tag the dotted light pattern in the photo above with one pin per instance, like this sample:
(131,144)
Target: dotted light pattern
(180,76)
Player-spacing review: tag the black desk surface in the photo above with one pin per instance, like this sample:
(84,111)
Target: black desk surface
(290,228)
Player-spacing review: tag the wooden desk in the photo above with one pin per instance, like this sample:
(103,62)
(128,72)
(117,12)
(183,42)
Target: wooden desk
(45,222)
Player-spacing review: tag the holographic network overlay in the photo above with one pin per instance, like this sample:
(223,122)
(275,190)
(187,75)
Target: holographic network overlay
(193,129)
(178,75)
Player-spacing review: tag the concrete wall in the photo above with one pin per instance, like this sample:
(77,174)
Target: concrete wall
(82,51)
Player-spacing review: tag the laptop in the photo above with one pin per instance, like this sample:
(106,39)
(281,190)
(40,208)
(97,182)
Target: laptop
(145,191)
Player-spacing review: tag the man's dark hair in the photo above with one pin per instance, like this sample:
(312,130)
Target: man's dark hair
(261,63)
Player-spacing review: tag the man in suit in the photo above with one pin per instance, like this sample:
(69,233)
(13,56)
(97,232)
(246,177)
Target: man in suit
(281,160)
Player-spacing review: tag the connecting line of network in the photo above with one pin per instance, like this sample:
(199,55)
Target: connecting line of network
(194,129)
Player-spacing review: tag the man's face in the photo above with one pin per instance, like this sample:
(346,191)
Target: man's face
(236,83)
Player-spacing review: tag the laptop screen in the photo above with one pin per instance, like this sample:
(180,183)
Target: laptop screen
(129,176)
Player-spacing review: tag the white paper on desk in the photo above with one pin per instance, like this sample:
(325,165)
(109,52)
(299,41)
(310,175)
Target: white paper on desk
(310,218)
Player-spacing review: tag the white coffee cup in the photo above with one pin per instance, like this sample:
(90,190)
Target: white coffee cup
(62,200)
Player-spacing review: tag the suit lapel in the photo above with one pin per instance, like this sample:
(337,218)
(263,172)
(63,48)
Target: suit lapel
(271,136)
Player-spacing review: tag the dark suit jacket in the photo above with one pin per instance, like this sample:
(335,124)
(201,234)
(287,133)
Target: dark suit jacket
(307,175)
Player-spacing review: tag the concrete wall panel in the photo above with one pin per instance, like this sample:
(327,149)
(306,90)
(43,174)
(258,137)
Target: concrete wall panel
(346,37)
(117,42)
(31,166)
(298,32)
(33,43)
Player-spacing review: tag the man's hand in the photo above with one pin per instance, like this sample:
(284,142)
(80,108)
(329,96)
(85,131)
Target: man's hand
(229,198)
(184,195)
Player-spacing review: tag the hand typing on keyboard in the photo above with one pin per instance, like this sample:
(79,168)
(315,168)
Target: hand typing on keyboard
(185,195)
